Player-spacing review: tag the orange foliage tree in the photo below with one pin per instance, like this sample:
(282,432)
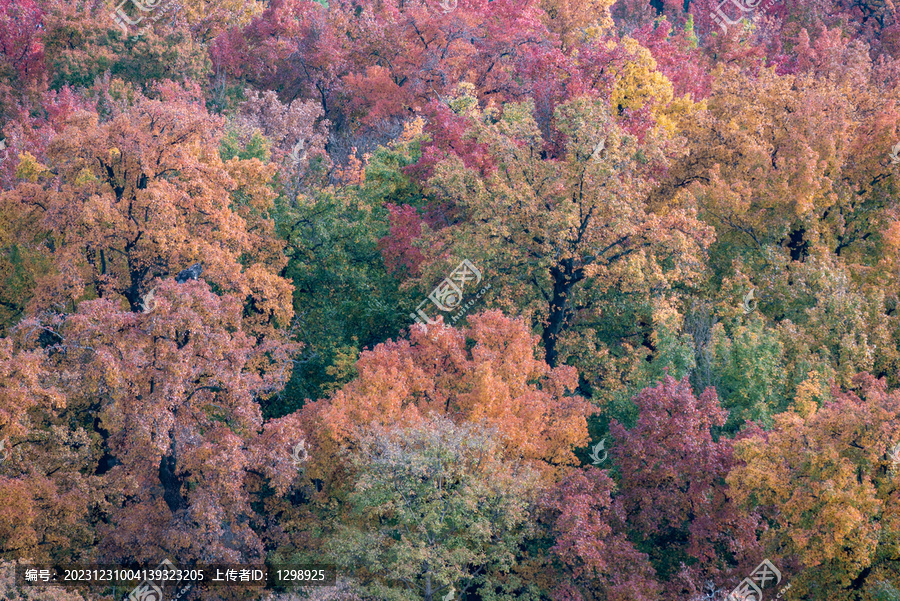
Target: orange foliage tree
(143,196)
(487,373)
(134,417)
(828,479)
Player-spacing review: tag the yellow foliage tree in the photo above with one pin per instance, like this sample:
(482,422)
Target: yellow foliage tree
(577,20)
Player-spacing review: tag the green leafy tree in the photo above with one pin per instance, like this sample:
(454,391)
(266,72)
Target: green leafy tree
(749,373)
(344,298)
(437,511)
(569,240)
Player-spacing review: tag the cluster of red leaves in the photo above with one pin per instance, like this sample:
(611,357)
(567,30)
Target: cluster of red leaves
(397,247)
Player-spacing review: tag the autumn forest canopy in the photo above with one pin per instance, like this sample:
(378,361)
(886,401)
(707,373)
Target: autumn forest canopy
(472,300)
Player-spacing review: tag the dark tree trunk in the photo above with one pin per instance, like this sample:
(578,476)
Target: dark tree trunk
(170,481)
(564,276)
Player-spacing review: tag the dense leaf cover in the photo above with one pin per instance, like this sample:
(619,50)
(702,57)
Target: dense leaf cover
(476,300)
